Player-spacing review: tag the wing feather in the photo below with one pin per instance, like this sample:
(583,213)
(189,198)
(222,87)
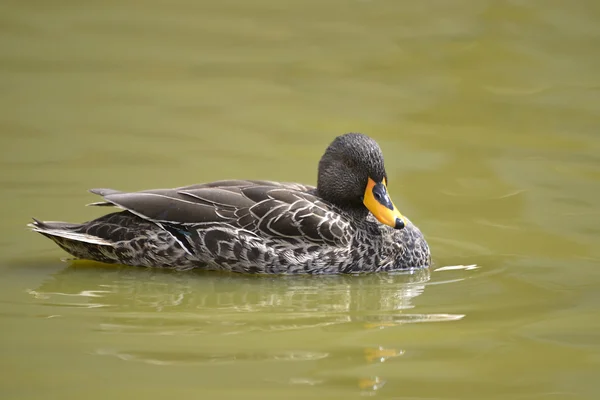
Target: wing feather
(219,197)
(286,211)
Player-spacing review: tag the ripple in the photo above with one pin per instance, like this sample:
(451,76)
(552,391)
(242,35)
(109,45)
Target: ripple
(150,303)
(412,319)
(187,359)
(85,294)
(457,267)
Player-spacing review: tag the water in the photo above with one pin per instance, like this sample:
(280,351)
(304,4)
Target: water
(488,116)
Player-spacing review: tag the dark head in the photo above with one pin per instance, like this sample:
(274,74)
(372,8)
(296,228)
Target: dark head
(352,176)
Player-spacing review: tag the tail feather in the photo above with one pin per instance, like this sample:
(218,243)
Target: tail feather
(117,238)
(104,192)
(67,231)
(100,204)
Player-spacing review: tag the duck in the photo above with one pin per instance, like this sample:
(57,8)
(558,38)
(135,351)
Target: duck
(346,224)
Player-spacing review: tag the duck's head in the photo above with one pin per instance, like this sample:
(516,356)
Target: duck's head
(352,176)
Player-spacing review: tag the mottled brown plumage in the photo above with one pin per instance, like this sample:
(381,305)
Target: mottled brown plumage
(253,226)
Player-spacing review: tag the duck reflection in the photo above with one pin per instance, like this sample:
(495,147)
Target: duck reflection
(131,301)
(292,297)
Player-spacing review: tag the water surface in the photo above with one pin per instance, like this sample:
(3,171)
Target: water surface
(488,116)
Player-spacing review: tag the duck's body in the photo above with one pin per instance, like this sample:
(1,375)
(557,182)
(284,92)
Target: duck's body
(248,226)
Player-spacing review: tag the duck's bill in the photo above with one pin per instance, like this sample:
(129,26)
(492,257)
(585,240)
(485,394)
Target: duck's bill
(378,201)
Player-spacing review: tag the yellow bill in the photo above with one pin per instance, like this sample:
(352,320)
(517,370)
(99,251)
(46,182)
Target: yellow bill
(378,201)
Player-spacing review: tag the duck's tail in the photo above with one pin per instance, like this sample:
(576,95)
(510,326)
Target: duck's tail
(65,230)
(72,239)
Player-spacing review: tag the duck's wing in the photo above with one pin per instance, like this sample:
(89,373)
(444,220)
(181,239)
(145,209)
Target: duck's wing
(287,211)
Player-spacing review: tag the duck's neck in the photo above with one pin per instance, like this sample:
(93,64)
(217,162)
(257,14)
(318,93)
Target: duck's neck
(358,214)
(356,210)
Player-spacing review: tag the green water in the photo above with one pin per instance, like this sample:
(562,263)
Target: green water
(488,113)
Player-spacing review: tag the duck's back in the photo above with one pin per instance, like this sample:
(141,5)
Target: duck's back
(246,226)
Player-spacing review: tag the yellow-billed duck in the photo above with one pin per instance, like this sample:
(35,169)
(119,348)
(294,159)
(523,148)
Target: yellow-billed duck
(346,224)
